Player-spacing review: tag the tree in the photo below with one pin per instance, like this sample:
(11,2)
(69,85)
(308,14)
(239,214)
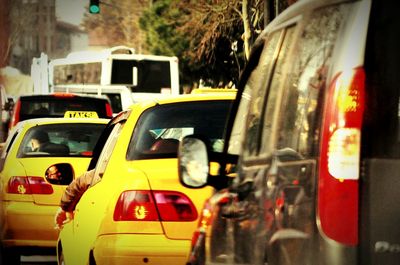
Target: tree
(16,17)
(160,22)
(211,30)
(118,23)
(214,26)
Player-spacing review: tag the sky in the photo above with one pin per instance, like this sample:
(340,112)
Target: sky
(71,11)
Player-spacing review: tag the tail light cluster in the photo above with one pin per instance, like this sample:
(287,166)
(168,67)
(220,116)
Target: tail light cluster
(340,157)
(109,111)
(204,222)
(146,205)
(28,185)
(15,116)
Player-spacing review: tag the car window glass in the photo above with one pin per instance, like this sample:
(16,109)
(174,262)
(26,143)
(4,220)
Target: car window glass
(64,139)
(56,106)
(252,101)
(104,137)
(160,129)
(276,84)
(381,124)
(238,129)
(106,152)
(306,79)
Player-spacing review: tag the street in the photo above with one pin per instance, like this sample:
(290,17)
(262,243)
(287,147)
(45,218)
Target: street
(38,260)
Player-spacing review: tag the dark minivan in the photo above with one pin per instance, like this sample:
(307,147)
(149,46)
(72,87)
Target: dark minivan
(56,104)
(314,142)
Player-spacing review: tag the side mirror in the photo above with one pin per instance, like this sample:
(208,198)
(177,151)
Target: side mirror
(193,162)
(9,105)
(59,174)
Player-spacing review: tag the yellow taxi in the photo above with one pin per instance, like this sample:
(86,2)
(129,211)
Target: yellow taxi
(136,211)
(40,157)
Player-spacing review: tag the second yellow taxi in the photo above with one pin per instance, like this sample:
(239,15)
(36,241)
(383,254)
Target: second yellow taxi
(136,211)
(39,158)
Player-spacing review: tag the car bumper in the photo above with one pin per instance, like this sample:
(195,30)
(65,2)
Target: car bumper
(140,249)
(29,225)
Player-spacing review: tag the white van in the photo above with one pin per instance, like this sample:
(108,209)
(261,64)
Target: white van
(119,73)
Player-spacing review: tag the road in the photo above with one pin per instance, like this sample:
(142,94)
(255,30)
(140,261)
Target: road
(38,260)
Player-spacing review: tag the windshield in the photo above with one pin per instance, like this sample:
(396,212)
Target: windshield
(160,128)
(56,106)
(61,140)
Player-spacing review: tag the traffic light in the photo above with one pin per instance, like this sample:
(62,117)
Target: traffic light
(94,6)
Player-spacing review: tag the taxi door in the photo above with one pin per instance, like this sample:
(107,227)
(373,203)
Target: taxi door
(90,210)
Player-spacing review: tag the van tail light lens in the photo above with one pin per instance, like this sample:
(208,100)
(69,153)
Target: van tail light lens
(15,116)
(109,111)
(204,222)
(143,205)
(340,157)
(28,185)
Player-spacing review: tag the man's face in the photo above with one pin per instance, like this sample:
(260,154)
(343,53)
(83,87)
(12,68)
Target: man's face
(34,144)
(53,173)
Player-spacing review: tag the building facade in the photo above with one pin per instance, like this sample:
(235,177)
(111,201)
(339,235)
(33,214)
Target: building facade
(35,29)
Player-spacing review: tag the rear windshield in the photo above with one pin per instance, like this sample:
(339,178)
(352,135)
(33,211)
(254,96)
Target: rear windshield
(381,134)
(152,75)
(160,128)
(61,140)
(39,107)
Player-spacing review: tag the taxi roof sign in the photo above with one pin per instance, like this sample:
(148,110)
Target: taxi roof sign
(80,114)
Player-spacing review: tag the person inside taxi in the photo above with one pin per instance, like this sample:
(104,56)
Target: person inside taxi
(39,141)
(55,175)
(52,173)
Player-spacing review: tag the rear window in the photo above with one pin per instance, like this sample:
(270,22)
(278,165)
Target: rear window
(381,133)
(53,106)
(159,129)
(61,140)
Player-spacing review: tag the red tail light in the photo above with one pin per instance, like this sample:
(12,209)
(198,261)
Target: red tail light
(63,95)
(87,153)
(204,222)
(29,185)
(109,111)
(340,157)
(15,117)
(153,206)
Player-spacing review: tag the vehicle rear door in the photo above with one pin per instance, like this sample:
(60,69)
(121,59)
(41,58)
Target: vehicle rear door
(380,168)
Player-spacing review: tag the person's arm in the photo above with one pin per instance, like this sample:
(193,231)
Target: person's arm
(75,190)
(71,197)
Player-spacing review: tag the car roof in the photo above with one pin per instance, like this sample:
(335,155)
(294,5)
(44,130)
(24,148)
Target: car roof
(63,96)
(185,98)
(44,121)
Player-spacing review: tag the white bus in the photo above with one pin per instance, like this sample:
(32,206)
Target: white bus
(112,69)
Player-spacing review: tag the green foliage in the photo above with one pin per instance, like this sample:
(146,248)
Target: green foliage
(195,33)
(160,22)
